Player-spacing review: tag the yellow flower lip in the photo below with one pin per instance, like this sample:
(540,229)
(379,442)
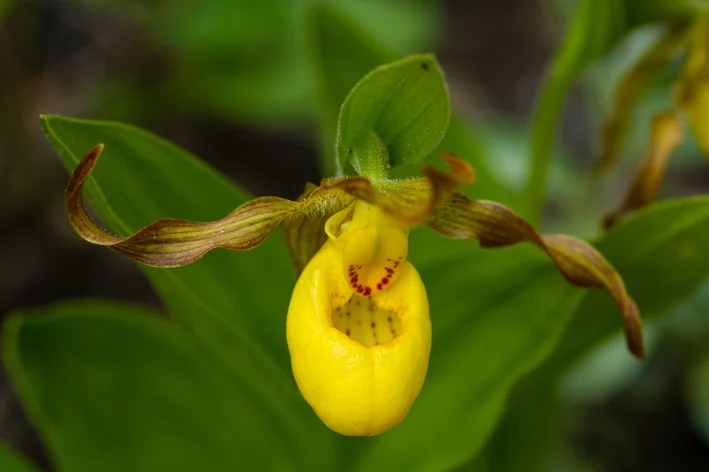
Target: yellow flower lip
(359,361)
(373,246)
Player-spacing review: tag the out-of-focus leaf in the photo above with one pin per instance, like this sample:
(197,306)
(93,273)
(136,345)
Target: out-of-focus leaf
(661,252)
(234,303)
(596,28)
(531,426)
(114,388)
(5,7)
(240,59)
(404,26)
(665,137)
(11,461)
(631,88)
(640,12)
(405,103)
(692,91)
(698,395)
(341,53)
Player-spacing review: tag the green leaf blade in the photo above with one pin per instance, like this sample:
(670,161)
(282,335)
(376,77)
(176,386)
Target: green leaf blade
(405,103)
(113,388)
(11,461)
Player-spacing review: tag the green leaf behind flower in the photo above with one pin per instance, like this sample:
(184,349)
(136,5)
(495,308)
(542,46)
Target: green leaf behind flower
(116,388)
(234,303)
(662,263)
(11,461)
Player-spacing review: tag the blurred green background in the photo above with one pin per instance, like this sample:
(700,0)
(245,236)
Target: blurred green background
(250,87)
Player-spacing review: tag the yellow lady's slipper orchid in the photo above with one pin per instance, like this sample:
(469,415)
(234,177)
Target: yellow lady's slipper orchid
(358,327)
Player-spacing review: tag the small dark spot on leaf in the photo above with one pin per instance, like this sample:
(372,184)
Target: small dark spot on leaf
(424,66)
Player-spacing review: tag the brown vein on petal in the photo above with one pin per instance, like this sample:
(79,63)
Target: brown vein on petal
(665,137)
(494,225)
(410,201)
(172,242)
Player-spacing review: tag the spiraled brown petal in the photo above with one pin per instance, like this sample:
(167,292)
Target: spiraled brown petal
(410,201)
(665,137)
(494,225)
(304,234)
(173,242)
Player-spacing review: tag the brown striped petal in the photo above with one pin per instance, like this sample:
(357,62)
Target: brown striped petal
(494,225)
(174,243)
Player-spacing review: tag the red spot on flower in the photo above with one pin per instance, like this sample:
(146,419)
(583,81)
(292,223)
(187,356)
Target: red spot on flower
(385,281)
(389,270)
(379,286)
(367,292)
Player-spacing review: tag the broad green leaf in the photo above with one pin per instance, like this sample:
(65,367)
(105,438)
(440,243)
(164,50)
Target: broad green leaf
(661,252)
(405,103)
(531,426)
(11,461)
(234,303)
(118,388)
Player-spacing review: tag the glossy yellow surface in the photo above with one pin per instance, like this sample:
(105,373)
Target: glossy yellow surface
(360,361)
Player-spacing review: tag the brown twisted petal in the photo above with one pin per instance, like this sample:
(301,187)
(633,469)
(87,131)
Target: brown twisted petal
(665,137)
(494,225)
(412,201)
(175,243)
